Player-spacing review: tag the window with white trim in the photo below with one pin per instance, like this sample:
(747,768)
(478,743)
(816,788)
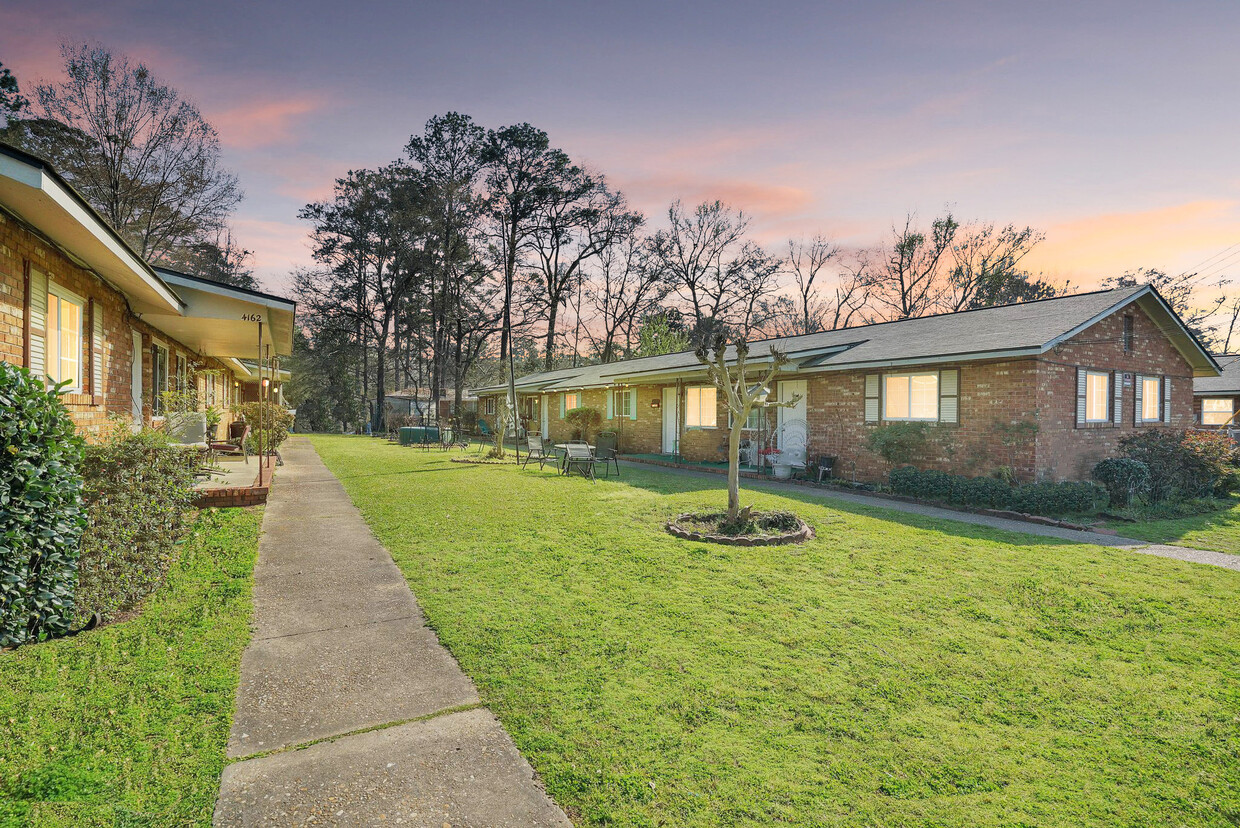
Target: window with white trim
(701,408)
(625,403)
(489,407)
(64,337)
(571,400)
(911,396)
(752,422)
(159,377)
(1151,399)
(1217,410)
(1097,396)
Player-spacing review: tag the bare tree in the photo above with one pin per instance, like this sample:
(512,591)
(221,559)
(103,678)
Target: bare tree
(623,289)
(220,259)
(578,220)
(741,395)
(986,269)
(1195,297)
(904,277)
(141,155)
(721,277)
(822,304)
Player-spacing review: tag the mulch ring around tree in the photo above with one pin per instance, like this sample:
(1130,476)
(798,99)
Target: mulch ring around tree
(754,529)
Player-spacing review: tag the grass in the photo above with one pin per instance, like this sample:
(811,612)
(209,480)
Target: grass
(126,725)
(897,670)
(1218,530)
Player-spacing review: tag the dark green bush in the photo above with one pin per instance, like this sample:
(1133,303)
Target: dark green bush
(1183,464)
(41,515)
(137,491)
(993,493)
(584,420)
(1123,477)
(898,443)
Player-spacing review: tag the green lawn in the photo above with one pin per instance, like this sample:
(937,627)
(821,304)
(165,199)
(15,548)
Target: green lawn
(1218,531)
(126,725)
(896,671)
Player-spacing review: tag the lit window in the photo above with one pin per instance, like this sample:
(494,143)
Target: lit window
(700,407)
(1097,395)
(1151,399)
(1216,411)
(64,338)
(911,397)
(572,401)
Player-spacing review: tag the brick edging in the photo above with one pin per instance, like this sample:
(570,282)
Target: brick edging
(998,513)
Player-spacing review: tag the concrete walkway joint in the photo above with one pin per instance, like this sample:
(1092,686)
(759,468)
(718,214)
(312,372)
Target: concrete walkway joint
(350,712)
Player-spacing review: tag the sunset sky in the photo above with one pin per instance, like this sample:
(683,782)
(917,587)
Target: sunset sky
(1111,126)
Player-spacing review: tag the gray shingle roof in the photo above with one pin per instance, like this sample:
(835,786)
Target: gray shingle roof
(1228,383)
(1030,328)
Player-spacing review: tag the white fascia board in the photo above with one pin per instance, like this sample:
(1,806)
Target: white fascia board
(67,202)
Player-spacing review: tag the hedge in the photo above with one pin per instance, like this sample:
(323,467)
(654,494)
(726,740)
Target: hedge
(993,493)
(138,488)
(41,515)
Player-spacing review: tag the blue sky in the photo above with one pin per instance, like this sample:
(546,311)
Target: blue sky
(1109,125)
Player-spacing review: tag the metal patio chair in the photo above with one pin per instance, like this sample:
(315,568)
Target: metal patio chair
(605,451)
(536,451)
(578,457)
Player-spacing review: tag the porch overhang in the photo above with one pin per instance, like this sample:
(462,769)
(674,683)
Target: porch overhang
(37,196)
(222,321)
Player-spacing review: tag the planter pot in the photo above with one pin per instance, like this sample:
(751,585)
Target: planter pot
(782,472)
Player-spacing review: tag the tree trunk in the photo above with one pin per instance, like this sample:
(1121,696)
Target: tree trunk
(549,359)
(734,468)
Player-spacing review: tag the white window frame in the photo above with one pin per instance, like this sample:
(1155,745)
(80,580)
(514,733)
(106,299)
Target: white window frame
(157,389)
(488,407)
(1157,400)
(1106,396)
(1227,414)
(697,409)
(753,422)
(624,403)
(564,406)
(53,339)
(908,378)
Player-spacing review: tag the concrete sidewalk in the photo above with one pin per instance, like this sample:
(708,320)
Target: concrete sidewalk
(1181,553)
(350,712)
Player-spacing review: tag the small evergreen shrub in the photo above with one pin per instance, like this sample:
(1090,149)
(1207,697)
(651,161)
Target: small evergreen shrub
(137,491)
(1183,464)
(277,422)
(898,443)
(584,420)
(41,515)
(1123,478)
(993,493)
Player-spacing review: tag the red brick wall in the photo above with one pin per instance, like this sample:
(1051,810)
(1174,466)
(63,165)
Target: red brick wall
(1068,452)
(17,246)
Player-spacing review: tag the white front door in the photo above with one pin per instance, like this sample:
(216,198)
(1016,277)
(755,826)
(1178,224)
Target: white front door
(671,417)
(544,405)
(135,382)
(786,390)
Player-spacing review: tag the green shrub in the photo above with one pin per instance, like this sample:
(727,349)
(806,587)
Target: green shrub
(898,443)
(137,491)
(277,422)
(1067,498)
(1123,478)
(41,515)
(1183,464)
(993,493)
(584,420)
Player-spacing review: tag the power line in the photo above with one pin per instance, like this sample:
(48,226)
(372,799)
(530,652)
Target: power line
(1202,264)
(1222,264)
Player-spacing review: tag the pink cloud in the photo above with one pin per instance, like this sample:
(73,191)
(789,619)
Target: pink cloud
(1173,238)
(263,123)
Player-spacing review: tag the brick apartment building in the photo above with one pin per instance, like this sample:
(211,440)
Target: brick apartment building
(1045,388)
(78,305)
